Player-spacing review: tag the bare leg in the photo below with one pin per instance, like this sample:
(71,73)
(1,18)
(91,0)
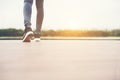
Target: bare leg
(40,15)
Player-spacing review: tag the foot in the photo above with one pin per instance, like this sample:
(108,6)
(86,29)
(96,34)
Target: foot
(28,35)
(37,37)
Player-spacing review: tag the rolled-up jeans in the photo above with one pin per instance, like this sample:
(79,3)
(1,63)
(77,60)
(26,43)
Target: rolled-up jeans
(27,11)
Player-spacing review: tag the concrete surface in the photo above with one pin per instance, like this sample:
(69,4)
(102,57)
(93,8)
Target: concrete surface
(60,60)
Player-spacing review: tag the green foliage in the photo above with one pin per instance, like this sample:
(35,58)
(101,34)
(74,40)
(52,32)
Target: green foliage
(79,33)
(63,33)
(11,32)
(115,32)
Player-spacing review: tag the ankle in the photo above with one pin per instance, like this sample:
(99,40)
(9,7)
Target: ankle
(37,35)
(27,29)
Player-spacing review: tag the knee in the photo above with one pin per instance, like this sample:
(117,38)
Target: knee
(28,1)
(39,3)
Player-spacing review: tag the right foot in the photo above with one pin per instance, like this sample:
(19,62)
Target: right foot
(37,37)
(27,35)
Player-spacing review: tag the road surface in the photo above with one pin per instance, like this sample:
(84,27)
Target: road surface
(60,60)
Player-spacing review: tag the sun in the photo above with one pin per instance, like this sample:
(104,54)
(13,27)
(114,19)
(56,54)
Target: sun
(74,24)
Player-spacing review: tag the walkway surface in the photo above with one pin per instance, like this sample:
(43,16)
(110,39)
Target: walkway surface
(60,60)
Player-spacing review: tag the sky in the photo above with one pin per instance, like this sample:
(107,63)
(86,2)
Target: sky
(64,14)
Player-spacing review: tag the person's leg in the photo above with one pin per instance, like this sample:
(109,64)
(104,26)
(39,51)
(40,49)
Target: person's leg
(40,15)
(27,11)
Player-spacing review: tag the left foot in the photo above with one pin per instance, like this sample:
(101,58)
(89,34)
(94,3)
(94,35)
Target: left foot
(28,34)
